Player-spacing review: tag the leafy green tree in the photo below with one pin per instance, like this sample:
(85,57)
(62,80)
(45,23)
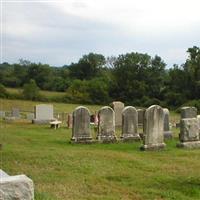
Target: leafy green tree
(137,75)
(88,66)
(31,90)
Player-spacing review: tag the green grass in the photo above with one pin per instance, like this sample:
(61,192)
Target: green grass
(43,92)
(61,170)
(24,105)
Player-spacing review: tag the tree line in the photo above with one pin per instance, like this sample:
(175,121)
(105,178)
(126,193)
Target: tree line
(134,78)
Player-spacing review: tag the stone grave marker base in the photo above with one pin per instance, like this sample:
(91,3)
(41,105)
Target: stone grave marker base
(189,145)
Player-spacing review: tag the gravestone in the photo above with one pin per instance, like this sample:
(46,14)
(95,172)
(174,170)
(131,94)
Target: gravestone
(15,113)
(198,121)
(141,113)
(30,116)
(188,112)
(153,128)
(43,114)
(167,131)
(189,133)
(15,187)
(69,120)
(118,106)
(2,114)
(106,125)
(81,126)
(130,124)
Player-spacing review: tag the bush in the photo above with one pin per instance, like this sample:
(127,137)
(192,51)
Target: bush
(31,91)
(3,92)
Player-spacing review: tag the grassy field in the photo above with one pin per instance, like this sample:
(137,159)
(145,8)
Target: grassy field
(43,92)
(23,105)
(61,170)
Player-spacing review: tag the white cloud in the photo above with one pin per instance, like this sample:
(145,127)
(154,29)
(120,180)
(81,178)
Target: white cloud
(67,29)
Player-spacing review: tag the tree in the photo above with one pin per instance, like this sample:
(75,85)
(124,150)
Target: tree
(31,90)
(136,75)
(88,66)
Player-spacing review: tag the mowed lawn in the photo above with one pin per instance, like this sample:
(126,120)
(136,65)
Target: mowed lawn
(61,170)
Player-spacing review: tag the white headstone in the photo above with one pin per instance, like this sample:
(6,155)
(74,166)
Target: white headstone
(43,113)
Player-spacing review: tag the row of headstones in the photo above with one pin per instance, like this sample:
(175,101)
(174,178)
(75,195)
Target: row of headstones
(153,126)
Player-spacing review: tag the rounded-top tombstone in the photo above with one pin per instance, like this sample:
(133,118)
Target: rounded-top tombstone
(117,106)
(167,131)
(81,125)
(106,125)
(153,128)
(130,124)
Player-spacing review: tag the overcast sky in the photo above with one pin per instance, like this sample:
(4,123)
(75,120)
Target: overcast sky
(60,32)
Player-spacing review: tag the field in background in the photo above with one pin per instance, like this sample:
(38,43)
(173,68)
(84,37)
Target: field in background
(24,105)
(61,170)
(45,93)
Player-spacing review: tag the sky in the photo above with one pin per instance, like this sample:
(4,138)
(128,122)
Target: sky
(59,32)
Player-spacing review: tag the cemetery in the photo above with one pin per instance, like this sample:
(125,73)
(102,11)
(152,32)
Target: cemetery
(144,156)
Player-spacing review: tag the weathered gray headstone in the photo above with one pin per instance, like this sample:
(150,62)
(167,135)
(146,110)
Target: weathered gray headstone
(43,114)
(198,121)
(69,120)
(30,116)
(188,112)
(167,131)
(81,126)
(130,124)
(106,125)
(15,113)
(141,113)
(153,128)
(2,114)
(189,133)
(16,187)
(118,106)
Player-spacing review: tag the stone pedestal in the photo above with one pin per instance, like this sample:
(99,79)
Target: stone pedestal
(189,133)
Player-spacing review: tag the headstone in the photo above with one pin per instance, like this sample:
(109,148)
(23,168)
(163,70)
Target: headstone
(198,121)
(15,113)
(16,187)
(81,126)
(188,112)
(30,116)
(130,124)
(153,128)
(189,133)
(106,125)
(2,114)
(167,131)
(141,113)
(43,114)
(69,120)
(118,106)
